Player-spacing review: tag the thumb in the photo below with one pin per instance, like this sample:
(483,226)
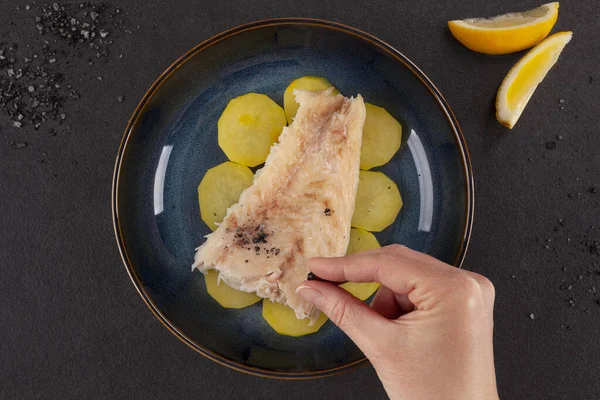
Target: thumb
(346,311)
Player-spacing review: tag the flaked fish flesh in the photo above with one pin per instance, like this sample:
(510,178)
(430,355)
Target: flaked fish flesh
(299,206)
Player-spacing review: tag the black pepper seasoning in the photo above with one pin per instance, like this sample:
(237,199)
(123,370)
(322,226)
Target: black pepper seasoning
(32,88)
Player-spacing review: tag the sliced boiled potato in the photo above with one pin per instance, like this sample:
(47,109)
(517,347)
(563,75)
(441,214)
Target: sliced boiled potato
(248,127)
(361,241)
(378,202)
(283,319)
(382,135)
(310,83)
(225,295)
(362,290)
(221,188)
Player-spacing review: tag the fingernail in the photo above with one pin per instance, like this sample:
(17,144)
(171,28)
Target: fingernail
(309,294)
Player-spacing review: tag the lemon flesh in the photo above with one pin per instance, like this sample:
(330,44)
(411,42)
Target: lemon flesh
(507,33)
(520,83)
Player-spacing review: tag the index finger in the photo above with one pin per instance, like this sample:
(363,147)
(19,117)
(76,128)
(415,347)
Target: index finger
(397,267)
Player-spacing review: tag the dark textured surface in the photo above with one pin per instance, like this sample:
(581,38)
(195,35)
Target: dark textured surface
(71,323)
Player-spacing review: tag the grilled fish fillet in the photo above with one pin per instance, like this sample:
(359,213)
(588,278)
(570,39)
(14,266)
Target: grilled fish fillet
(299,206)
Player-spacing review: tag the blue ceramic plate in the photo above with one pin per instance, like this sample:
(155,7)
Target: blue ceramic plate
(171,141)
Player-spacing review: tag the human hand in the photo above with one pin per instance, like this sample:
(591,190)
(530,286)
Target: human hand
(428,332)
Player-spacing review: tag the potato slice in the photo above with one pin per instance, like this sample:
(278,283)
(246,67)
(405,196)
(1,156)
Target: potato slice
(382,136)
(225,295)
(221,188)
(362,290)
(283,319)
(248,127)
(378,202)
(310,83)
(361,241)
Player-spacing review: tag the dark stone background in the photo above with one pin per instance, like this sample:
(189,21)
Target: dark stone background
(71,323)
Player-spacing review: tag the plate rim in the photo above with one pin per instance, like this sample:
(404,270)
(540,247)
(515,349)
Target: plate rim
(387,48)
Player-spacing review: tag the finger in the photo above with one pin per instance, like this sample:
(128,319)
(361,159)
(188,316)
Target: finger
(412,254)
(385,303)
(396,267)
(487,287)
(346,311)
(391,305)
(404,302)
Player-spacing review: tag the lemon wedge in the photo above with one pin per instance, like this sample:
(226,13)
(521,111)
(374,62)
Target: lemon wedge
(506,33)
(522,80)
